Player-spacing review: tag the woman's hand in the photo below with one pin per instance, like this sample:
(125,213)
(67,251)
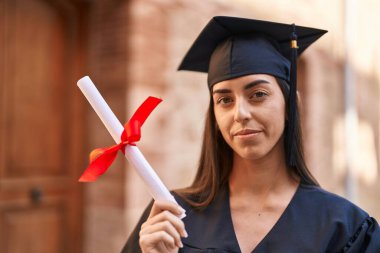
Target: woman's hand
(162,231)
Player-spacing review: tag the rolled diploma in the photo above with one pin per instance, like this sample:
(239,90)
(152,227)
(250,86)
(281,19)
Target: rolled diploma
(155,186)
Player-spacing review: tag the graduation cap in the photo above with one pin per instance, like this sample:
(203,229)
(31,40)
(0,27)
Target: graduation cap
(229,47)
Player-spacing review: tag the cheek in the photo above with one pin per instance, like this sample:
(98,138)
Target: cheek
(223,123)
(279,119)
(280,112)
(274,118)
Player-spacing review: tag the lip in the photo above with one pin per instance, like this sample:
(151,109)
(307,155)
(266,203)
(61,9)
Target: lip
(246,133)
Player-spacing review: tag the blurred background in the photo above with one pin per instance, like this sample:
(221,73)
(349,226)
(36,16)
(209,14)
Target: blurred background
(131,50)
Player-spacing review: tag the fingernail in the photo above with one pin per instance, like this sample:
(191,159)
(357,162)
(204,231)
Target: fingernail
(185,234)
(179,211)
(180,244)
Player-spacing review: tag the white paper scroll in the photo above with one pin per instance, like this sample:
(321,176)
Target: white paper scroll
(155,186)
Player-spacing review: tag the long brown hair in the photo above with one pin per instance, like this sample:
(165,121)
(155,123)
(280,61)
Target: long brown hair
(215,163)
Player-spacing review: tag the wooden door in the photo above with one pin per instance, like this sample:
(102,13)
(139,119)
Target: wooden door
(40,134)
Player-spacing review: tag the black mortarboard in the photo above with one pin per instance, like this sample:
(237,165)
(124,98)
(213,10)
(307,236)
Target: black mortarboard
(230,47)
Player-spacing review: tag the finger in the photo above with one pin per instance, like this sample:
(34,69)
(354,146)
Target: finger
(167,216)
(156,239)
(161,205)
(166,225)
(163,226)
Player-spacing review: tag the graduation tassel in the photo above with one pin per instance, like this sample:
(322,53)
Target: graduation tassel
(292,103)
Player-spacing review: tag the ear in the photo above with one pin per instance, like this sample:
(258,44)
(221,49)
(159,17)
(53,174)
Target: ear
(299,101)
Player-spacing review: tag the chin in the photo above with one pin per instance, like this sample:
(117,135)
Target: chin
(257,151)
(250,154)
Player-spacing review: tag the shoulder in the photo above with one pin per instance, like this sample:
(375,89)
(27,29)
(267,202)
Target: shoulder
(331,214)
(339,223)
(329,203)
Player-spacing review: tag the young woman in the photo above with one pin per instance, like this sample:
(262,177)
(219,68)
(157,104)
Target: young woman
(253,191)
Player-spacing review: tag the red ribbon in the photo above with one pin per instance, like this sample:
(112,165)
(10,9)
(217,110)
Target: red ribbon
(102,158)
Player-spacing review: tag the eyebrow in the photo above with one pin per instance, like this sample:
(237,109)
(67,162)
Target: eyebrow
(246,87)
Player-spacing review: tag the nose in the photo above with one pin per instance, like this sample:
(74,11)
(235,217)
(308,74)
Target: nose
(242,112)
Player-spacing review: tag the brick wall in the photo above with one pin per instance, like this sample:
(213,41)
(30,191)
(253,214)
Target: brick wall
(104,207)
(134,49)
(162,31)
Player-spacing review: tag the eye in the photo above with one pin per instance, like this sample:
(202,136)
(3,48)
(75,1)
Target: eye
(258,95)
(224,100)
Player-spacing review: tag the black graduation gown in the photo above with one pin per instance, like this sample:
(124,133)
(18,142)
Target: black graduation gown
(315,221)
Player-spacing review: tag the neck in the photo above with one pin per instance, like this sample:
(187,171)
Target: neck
(258,177)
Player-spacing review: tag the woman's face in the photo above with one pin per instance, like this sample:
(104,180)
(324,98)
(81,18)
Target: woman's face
(250,113)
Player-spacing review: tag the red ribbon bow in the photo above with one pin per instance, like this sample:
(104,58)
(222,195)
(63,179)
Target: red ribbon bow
(102,158)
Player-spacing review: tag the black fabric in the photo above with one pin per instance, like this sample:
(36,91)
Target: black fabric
(244,55)
(315,221)
(266,52)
